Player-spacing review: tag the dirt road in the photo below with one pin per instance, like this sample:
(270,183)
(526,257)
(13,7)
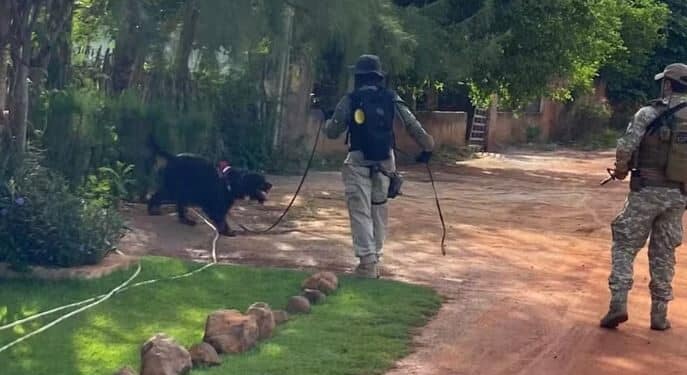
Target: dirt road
(525,277)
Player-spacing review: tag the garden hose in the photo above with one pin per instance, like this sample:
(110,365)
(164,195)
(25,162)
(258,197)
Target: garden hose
(94,301)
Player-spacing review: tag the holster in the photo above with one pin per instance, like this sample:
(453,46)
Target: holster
(395,180)
(636,183)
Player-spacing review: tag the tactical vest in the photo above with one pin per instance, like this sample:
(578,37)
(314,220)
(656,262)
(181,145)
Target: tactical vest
(662,155)
(371,124)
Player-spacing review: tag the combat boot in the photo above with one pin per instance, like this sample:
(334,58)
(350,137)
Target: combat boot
(659,316)
(617,312)
(368,267)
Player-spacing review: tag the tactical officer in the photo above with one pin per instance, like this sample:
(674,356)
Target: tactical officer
(367,116)
(654,149)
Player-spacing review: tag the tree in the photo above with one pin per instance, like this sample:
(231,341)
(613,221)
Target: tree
(522,49)
(630,81)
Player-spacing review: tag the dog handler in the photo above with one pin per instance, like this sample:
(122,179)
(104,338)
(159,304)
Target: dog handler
(367,116)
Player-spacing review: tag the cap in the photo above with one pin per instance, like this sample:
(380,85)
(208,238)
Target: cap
(676,72)
(367,64)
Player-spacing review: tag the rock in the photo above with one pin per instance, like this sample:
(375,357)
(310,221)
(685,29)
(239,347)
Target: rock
(280,316)
(314,296)
(264,317)
(330,276)
(160,355)
(229,331)
(298,304)
(204,354)
(320,282)
(126,371)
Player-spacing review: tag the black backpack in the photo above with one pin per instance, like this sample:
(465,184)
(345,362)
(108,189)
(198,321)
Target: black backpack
(371,125)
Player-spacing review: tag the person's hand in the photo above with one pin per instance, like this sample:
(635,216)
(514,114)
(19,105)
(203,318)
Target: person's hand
(328,114)
(620,173)
(424,157)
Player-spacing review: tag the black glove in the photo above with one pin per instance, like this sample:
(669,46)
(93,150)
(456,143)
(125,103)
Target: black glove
(424,157)
(328,114)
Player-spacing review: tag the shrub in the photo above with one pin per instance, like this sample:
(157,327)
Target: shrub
(42,222)
(583,119)
(110,185)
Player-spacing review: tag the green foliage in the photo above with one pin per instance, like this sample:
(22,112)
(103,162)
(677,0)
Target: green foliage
(634,81)
(42,222)
(583,120)
(524,49)
(109,336)
(604,139)
(75,134)
(110,185)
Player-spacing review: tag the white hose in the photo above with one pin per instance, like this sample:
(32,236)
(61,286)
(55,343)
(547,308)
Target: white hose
(67,316)
(103,297)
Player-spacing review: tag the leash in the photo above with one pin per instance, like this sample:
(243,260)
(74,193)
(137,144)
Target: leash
(436,200)
(298,190)
(441,214)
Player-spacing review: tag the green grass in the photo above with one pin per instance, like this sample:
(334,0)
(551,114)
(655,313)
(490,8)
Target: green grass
(361,329)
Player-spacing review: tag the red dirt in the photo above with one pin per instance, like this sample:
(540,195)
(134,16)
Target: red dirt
(525,277)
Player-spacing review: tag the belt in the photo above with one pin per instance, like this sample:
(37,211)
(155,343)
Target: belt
(665,184)
(639,182)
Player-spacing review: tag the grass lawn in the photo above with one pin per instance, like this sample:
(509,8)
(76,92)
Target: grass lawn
(361,329)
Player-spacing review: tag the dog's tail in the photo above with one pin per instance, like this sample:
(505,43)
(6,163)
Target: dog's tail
(157,150)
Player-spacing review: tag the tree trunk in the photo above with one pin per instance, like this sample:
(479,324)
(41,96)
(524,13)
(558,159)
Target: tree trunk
(182,74)
(24,17)
(60,62)
(52,33)
(128,45)
(4,64)
(283,75)
(4,53)
(19,109)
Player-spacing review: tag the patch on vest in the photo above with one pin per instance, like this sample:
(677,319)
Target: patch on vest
(359,116)
(681,138)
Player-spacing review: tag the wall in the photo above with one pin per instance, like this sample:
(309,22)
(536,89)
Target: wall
(447,128)
(510,128)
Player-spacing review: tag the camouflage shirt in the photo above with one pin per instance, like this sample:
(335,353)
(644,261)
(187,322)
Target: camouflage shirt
(632,138)
(338,125)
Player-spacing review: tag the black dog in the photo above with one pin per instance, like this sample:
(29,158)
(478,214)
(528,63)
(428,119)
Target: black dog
(191,180)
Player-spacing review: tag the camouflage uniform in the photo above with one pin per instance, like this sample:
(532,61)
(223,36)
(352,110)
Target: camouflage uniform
(649,210)
(366,196)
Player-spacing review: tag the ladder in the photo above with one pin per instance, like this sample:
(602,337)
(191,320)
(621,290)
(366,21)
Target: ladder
(479,130)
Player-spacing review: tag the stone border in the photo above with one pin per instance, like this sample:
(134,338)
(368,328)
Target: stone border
(229,332)
(111,263)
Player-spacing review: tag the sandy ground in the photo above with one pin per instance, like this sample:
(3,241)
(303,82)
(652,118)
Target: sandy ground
(525,277)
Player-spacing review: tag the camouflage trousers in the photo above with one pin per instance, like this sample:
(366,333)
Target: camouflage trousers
(366,198)
(654,211)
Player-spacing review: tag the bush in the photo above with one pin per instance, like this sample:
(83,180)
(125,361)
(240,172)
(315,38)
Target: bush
(110,185)
(583,119)
(42,222)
